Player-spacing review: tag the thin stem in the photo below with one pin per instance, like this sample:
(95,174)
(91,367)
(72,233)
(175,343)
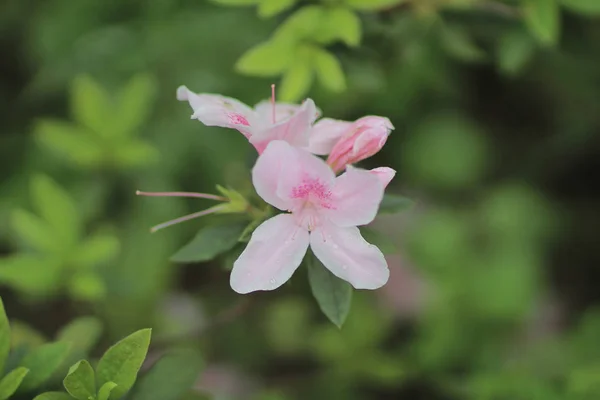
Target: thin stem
(273,101)
(182,194)
(186,218)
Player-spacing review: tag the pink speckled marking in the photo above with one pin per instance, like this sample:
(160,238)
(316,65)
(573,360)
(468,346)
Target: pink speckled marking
(314,191)
(238,119)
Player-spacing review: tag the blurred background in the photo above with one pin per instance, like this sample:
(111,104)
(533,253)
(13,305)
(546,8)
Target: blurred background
(494,273)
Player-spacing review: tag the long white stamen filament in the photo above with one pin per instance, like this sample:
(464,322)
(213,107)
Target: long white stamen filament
(182,194)
(186,218)
(273,102)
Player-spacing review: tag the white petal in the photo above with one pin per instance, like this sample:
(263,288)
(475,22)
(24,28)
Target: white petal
(356,196)
(217,110)
(268,170)
(325,134)
(349,257)
(274,252)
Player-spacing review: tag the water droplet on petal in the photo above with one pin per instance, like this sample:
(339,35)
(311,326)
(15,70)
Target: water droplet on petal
(335,246)
(273,282)
(344,267)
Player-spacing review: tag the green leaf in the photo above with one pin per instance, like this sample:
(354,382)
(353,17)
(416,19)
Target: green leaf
(68,141)
(209,242)
(135,102)
(121,363)
(4,336)
(34,231)
(57,208)
(53,396)
(270,8)
(339,23)
(30,274)
(515,50)
(134,154)
(542,17)
(384,243)
(171,377)
(87,286)
(11,382)
(236,2)
(91,105)
(333,294)
(80,381)
(95,250)
(106,390)
(373,5)
(458,44)
(392,204)
(297,80)
(585,7)
(303,24)
(42,362)
(83,333)
(266,59)
(329,71)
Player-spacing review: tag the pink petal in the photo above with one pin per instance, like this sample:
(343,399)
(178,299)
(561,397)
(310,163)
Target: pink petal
(349,257)
(293,130)
(268,169)
(264,110)
(217,110)
(274,252)
(355,198)
(325,134)
(303,170)
(384,174)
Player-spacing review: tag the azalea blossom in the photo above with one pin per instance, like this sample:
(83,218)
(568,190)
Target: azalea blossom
(323,213)
(268,120)
(361,139)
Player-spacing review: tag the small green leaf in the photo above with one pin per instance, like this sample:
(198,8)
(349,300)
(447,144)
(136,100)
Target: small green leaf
(584,7)
(91,105)
(236,2)
(4,336)
(373,5)
(57,208)
(53,396)
(542,17)
(95,250)
(266,59)
(106,390)
(515,50)
(30,274)
(135,102)
(83,333)
(392,204)
(460,45)
(134,154)
(66,140)
(303,24)
(329,71)
(171,377)
(339,23)
(209,242)
(34,231)
(121,363)
(42,362)
(80,381)
(297,80)
(270,8)
(87,286)
(384,243)
(11,382)
(333,294)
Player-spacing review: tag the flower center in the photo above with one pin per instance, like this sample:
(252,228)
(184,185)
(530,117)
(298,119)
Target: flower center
(311,196)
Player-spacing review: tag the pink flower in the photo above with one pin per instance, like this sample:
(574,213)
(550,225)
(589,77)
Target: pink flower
(266,122)
(362,139)
(324,213)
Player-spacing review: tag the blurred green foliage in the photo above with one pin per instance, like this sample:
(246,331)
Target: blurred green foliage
(496,106)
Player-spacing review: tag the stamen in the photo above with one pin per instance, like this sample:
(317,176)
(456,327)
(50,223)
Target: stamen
(273,101)
(186,218)
(182,194)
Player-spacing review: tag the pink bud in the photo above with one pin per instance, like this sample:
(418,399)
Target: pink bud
(365,137)
(384,174)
